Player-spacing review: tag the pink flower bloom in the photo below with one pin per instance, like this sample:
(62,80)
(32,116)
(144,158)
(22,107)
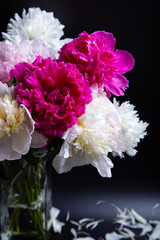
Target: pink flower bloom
(96,58)
(11,54)
(54,92)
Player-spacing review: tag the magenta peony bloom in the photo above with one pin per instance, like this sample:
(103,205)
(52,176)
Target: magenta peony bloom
(54,92)
(96,58)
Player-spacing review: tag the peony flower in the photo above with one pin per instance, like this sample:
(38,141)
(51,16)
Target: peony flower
(133,128)
(96,58)
(11,54)
(97,134)
(105,128)
(36,24)
(54,92)
(16,127)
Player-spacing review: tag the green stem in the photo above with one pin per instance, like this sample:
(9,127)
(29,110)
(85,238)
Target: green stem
(27,190)
(32,195)
(14,220)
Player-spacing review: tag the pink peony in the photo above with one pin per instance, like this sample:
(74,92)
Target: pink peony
(96,58)
(11,54)
(54,92)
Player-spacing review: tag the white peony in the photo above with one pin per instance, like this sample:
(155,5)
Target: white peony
(36,24)
(133,128)
(16,127)
(97,134)
(105,128)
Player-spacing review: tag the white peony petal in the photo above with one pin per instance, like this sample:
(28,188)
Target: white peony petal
(21,141)
(74,233)
(138,217)
(28,121)
(113,236)
(156,233)
(103,166)
(54,222)
(84,238)
(38,140)
(63,163)
(4,89)
(5,148)
(14,155)
(54,212)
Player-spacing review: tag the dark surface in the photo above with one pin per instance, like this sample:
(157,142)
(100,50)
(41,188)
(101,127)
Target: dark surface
(135,181)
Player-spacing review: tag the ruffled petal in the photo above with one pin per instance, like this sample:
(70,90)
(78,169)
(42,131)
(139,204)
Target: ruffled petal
(108,37)
(125,61)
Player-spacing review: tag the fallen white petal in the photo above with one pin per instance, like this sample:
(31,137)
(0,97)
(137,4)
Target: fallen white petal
(83,220)
(84,238)
(74,232)
(146,229)
(68,216)
(157,205)
(94,224)
(156,233)
(138,217)
(54,222)
(113,236)
(127,233)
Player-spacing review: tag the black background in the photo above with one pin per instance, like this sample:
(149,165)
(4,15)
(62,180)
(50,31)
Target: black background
(135,181)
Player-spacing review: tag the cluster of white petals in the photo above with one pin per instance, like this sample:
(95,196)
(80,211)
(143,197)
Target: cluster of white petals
(104,128)
(36,24)
(133,128)
(132,223)
(16,127)
(97,134)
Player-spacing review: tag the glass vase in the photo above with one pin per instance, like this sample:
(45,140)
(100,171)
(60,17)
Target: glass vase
(25,198)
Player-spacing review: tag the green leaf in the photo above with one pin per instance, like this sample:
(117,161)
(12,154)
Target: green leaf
(13,82)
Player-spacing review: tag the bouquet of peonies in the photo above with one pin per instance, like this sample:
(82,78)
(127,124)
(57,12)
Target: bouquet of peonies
(55,100)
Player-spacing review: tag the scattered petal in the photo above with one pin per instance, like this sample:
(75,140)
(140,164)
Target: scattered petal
(156,233)
(54,222)
(138,217)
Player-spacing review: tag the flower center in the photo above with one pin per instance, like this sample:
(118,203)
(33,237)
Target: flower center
(11,116)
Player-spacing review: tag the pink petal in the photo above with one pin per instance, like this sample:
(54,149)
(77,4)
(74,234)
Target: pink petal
(107,36)
(125,61)
(117,84)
